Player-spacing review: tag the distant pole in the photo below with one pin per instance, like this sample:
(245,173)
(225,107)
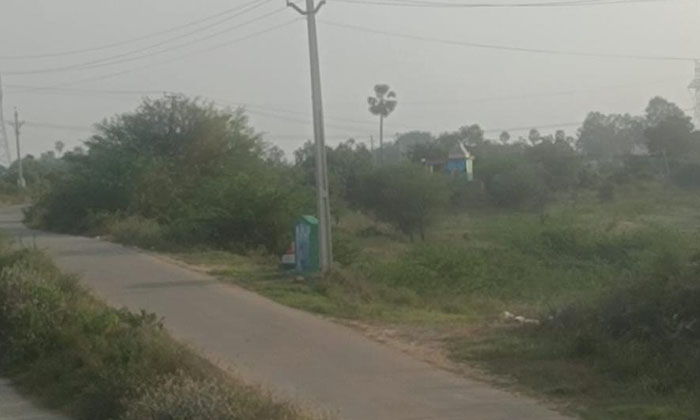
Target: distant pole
(5,155)
(18,126)
(695,87)
(323,198)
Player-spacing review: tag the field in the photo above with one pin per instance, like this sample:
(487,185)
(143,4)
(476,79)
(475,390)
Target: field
(608,288)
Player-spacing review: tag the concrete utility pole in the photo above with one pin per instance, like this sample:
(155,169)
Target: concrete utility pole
(18,126)
(324,206)
(5,155)
(695,87)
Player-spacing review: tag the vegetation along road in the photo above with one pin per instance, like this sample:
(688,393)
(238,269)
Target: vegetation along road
(15,407)
(298,354)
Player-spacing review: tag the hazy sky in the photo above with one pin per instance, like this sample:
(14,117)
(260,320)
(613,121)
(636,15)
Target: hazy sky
(440,86)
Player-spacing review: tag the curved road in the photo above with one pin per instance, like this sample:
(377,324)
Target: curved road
(296,354)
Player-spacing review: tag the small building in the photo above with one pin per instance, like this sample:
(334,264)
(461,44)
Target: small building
(459,163)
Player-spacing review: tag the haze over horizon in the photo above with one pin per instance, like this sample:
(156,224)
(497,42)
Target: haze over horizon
(255,54)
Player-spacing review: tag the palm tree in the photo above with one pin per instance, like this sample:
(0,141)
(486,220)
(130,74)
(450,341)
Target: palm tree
(383,104)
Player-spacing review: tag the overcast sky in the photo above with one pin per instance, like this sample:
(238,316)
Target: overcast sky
(264,64)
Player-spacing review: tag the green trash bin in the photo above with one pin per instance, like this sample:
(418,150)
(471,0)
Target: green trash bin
(306,245)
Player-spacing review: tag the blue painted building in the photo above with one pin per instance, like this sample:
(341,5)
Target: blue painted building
(459,163)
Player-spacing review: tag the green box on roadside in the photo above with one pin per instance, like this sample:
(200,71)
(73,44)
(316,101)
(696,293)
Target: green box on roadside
(306,245)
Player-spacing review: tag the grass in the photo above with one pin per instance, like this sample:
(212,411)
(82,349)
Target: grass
(571,259)
(74,353)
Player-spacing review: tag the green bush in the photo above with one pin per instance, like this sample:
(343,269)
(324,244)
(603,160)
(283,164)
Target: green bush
(645,330)
(95,362)
(405,196)
(198,172)
(518,187)
(180,397)
(138,231)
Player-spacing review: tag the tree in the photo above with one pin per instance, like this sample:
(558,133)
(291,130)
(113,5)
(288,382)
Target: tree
(382,104)
(59,146)
(534,136)
(660,109)
(669,132)
(472,134)
(560,136)
(405,196)
(606,137)
(504,137)
(200,172)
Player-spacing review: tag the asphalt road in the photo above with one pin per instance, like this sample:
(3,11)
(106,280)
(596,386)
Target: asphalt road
(296,354)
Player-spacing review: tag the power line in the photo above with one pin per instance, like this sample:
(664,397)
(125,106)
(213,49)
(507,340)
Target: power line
(117,59)
(128,41)
(127,71)
(504,47)
(35,124)
(450,5)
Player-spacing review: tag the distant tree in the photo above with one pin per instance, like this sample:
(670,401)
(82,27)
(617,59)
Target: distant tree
(412,138)
(59,146)
(504,137)
(274,154)
(534,136)
(606,137)
(347,163)
(406,196)
(560,136)
(413,144)
(78,150)
(669,132)
(382,104)
(559,162)
(472,134)
(659,110)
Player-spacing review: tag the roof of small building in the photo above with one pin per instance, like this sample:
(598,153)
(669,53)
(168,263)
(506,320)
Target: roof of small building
(459,152)
(312,220)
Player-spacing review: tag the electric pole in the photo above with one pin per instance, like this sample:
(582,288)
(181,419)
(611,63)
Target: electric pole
(5,155)
(323,198)
(18,126)
(695,87)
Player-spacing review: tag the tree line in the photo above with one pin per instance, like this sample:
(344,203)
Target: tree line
(204,177)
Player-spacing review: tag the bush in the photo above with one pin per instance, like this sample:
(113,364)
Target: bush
(175,169)
(180,397)
(644,330)
(407,197)
(138,231)
(521,186)
(688,176)
(96,362)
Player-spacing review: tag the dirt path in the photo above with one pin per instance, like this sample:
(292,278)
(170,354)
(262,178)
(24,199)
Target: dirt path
(15,407)
(294,353)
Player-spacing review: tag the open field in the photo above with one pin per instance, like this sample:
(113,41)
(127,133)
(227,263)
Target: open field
(561,267)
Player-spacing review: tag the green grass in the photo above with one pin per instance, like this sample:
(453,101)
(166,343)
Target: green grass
(570,259)
(542,366)
(74,353)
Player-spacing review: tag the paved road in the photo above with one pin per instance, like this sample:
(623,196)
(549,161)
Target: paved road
(297,354)
(15,407)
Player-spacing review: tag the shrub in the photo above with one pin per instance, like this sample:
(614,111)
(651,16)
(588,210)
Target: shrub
(646,329)
(606,192)
(180,397)
(518,187)
(96,362)
(407,197)
(688,176)
(138,231)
